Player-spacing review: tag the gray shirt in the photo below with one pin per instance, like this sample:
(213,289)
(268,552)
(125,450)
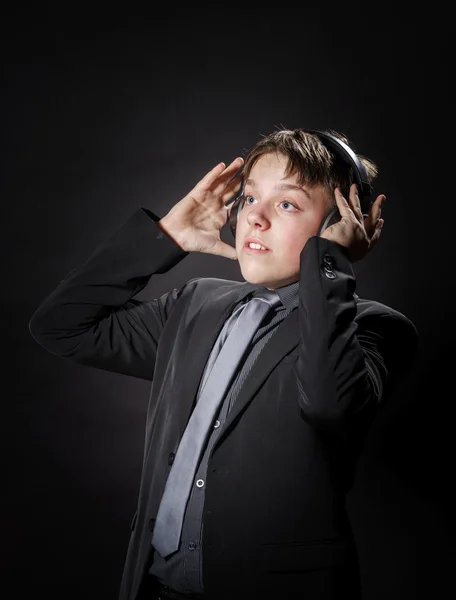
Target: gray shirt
(182,571)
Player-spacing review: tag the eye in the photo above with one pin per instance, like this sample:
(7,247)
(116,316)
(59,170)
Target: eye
(286,202)
(248,197)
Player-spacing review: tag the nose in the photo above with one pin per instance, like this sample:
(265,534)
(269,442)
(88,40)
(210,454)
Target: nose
(257,215)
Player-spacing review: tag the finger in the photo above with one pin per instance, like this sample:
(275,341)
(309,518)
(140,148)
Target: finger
(342,204)
(374,214)
(220,170)
(212,175)
(376,235)
(232,167)
(355,203)
(231,192)
(235,164)
(229,177)
(221,186)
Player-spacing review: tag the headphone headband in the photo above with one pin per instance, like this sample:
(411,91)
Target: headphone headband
(344,151)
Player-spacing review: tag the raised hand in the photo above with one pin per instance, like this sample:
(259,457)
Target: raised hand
(194,223)
(356,234)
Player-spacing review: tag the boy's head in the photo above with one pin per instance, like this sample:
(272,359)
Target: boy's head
(289,179)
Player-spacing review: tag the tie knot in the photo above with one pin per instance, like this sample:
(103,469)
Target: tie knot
(269,296)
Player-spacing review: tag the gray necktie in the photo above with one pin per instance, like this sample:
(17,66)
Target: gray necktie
(170,516)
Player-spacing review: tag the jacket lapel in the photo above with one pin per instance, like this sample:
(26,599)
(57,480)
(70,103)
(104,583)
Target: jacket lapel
(284,339)
(205,332)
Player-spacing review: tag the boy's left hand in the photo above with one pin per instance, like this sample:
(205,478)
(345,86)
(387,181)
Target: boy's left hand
(356,234)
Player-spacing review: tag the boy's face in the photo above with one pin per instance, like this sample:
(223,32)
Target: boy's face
(281,217)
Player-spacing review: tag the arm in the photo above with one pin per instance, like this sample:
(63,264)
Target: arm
(347,366)
(91,317)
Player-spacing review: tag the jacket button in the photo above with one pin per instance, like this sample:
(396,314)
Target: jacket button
(328,260)
(171,458)
(151,524)
(329,265)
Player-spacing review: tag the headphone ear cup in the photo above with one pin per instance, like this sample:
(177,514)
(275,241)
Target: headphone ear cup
(331,217)
(234,213)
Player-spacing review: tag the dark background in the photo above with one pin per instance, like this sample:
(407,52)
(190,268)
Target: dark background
(104,112)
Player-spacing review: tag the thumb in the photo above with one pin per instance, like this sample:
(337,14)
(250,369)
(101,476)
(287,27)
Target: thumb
(225,250)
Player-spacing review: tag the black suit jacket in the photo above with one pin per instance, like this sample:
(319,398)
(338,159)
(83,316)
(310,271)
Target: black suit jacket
(274,516)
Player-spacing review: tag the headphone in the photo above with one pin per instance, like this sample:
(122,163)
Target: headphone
(343,151)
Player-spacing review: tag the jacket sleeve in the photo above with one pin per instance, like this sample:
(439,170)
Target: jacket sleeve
(91,318)
(347,365)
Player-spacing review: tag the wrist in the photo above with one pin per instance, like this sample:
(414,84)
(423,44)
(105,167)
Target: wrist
(170,231)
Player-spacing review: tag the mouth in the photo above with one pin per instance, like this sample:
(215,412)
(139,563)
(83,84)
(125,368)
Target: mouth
(256,242)
(249,250)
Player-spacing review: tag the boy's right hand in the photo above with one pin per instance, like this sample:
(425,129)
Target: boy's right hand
(194,223)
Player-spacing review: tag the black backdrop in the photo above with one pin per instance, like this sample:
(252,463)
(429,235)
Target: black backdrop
(105,112)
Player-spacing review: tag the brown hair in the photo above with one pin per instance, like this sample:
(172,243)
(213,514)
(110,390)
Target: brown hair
(313,162)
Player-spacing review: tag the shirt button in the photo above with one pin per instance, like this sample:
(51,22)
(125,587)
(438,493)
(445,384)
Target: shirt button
(217,424)
(200,483)
(171,456)
(192,546)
